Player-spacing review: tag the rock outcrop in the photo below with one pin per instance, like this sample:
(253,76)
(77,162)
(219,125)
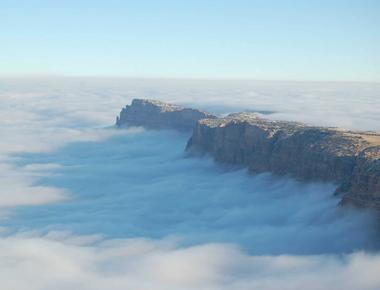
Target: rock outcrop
(159,115)
(351,159)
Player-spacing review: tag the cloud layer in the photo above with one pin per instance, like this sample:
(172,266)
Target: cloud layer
(141,184)
(86,207)
(66,262)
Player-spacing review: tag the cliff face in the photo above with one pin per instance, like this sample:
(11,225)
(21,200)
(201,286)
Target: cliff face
(159,115)
(350,159)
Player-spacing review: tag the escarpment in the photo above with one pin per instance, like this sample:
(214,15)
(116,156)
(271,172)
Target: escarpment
(350,159)
(159,115)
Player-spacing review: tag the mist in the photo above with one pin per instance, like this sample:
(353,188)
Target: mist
(141,184)
(86,206)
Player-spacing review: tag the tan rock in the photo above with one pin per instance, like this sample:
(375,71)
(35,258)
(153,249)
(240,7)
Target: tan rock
(351,159)
(159,115)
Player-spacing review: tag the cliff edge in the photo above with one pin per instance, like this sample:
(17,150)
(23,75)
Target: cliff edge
(350,159)
(159,115)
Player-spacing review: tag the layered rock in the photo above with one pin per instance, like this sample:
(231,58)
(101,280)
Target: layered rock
(351,159)
(159,115)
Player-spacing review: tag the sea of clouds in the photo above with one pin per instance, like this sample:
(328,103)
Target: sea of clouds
(86,206)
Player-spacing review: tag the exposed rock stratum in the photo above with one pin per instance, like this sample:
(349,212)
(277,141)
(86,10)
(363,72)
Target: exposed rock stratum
(350,159)
(155,114)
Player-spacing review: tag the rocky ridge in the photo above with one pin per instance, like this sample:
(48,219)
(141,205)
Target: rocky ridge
(159,115)
(350,159)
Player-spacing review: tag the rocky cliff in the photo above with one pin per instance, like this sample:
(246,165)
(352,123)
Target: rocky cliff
(351,159)
(159,115)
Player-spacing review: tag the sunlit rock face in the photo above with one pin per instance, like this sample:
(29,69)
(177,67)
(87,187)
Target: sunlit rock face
(352,159)
(159,115)
(365,180)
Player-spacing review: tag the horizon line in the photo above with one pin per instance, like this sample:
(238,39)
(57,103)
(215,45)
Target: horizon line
(69,76)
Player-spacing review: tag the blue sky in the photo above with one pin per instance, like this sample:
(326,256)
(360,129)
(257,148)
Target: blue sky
(286,40)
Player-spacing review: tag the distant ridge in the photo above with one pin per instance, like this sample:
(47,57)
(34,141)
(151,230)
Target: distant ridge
(159,115)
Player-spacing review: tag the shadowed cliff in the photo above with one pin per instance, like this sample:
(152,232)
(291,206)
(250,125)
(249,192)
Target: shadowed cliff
(159,115)
(350,159)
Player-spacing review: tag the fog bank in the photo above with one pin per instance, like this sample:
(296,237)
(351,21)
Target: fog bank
(83,206)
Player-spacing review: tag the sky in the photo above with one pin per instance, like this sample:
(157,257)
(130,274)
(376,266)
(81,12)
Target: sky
(331,40)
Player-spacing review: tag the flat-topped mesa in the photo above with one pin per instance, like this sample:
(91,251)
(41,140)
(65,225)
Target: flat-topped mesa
(351,159)
(159,115)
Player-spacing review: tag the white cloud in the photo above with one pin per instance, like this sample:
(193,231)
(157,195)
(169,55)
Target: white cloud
(39,262)
(17,188)
(278,215)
